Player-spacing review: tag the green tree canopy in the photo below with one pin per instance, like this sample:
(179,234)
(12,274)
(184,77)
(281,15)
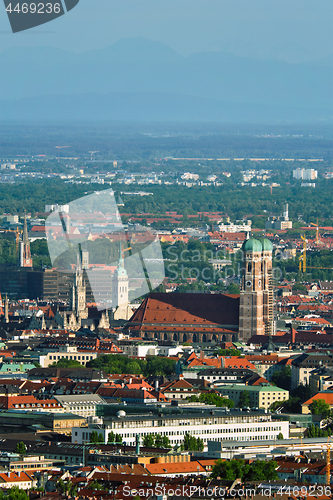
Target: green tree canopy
(67,363)
(244,399)
(320,407)
(282,378)
(191,443)
(21,448)
(259,470)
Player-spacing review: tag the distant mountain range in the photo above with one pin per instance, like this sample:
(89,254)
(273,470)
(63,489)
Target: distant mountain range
(136,79)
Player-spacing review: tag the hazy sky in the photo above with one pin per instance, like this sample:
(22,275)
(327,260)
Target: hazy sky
(292,30)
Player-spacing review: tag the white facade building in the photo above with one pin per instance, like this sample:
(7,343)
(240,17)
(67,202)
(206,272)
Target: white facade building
(209,426)
(306,174)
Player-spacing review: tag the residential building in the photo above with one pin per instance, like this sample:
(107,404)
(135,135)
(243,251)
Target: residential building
(326,396)
(320,380)
(67,352)
(21,480)
(80,404)
(261,396)
(307,174)
(302,366)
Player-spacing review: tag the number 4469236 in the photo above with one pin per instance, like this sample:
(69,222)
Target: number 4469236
(34,8)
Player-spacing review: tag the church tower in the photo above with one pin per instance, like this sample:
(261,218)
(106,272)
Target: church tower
(25,255)
(267,285)
(251,297)
(78,299)
(120,282)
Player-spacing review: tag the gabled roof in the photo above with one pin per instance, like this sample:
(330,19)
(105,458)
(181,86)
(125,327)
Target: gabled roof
(14,477)
(327,396)
(175,468)
(188,309)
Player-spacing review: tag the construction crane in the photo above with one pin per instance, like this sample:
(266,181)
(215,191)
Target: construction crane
(302,259)
(92,153)
(317,231)
(328,465)
(17,232)
(60,147)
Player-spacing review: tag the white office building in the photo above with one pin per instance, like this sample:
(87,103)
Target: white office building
(209,425)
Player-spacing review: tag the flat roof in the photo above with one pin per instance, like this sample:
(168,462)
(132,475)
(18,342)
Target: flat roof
(38,414)
(251,388)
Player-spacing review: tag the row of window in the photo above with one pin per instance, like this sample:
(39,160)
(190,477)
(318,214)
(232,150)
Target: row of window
(176,423)
(76,358)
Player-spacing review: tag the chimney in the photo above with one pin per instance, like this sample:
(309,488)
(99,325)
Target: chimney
(156,385)
(293,335)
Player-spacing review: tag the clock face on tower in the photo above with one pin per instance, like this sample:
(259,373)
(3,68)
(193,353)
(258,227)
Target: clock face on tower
(248,283)
(259,283)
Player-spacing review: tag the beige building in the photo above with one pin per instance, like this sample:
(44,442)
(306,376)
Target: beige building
(261,396)
(80,404)
(67,352)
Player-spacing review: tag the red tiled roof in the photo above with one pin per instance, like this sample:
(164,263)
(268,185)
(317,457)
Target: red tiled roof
(326,396)
(175,468)
(187,309)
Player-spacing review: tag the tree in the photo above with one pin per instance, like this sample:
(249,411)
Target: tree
(229,352)
(282,378)
(118,439)
(244,399)
(320,407)
(95,485)
(67,363)
(192,443)
(233,289)
(315,431)
(21,448)
(259,470)
(148,441)
(280,436)
(211,398)
(156,441)
(229,470)
(112,437)
(96,438)
(14,493)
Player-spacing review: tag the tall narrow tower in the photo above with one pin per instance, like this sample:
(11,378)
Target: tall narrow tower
(251,297)
(267,286)
(78,299)
(25,255)
(120,282)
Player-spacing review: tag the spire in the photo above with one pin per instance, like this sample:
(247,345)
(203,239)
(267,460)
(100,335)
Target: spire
(25,255)
(121,255)
(6,309)
(25,230)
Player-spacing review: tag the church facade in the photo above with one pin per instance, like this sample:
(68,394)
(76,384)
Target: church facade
(200,318)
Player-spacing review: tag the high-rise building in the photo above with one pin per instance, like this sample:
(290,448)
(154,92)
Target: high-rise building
(307,174)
